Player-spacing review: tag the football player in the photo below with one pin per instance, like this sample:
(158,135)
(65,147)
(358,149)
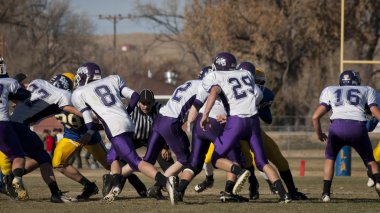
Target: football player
(348,124)
(201,141)
(240,91)
(103,97)
(46,100)
(10,144)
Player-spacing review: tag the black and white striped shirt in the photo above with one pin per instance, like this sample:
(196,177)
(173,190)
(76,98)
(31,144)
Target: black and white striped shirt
(143,122)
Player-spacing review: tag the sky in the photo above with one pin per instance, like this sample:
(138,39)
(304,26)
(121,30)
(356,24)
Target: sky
(94,8)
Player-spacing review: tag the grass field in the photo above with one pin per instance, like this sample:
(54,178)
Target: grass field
(350,194)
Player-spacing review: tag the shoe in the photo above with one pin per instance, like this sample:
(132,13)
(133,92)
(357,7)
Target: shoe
(112,195)
(298,195)
(370,182)
(61,197)
(170,188)
(8,188)
(19,188)
(107,181)
(240,181)
(88,190)
(377,188)
(206,184)
(226,197)
(140,187)
(155,192)
(326,197)
(254,192)
(285,199)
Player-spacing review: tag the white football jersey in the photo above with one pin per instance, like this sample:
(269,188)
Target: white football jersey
(239,90)
(104,98)
(7,86)
(217,109)
(181,100)
(45,100)
(348,102)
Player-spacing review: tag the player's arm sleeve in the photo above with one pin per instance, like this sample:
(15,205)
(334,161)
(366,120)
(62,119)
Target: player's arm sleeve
(200,98)
(209,81)
(324,99)
(64,100)
(371,97)
(126,92)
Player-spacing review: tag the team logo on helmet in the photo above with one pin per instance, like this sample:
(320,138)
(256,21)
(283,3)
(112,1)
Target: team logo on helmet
(87,73)
(349,78)
(62,82)
(224,61)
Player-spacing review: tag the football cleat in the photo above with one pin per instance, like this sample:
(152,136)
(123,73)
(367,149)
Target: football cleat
(240,181)
(112,195)
(226,197)
(377,188)
(296,195)
(8,188)
(61,197)
(88,190)
(19,188)
(107,181)
(170,184)
(326,197)
(370,182)
(285,199)
(155,192)
(206,184)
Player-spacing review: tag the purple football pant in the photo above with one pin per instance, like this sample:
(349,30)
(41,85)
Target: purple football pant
(31,143)
(201,140)
(349,133)
(166,130)
(123,149)
(10,144)
(237,129)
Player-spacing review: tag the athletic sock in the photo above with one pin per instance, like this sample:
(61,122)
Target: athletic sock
(19,172)
(327,186)
(287,177)
(210,177)
(53,186)
(116,180)
(376,177)
(160,179)
(229,186)
(237,170)
(182,186)
(84,181)
(279,188)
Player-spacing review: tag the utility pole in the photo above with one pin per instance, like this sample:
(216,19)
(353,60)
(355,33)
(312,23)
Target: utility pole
(2,46)
(114,19)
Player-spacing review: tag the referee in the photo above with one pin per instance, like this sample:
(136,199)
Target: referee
(143,116)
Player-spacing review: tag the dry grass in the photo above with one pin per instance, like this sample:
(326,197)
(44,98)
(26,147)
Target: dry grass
(350,194)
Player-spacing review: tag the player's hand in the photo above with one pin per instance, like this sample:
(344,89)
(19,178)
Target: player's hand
(221,119)
(166,154)
(203,122)
(322,136)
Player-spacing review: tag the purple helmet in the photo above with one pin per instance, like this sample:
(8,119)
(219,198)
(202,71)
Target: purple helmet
(224,61)
(245,65)
(205,70)
(86,73)
(3,69)
(62,82)
(349,78)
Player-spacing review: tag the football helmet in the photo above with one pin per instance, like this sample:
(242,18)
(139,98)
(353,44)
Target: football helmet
(3,68)
(349,78)
(224,61)
(245,65)
(204,71)
(62,81)
(260,77)
(87,73)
